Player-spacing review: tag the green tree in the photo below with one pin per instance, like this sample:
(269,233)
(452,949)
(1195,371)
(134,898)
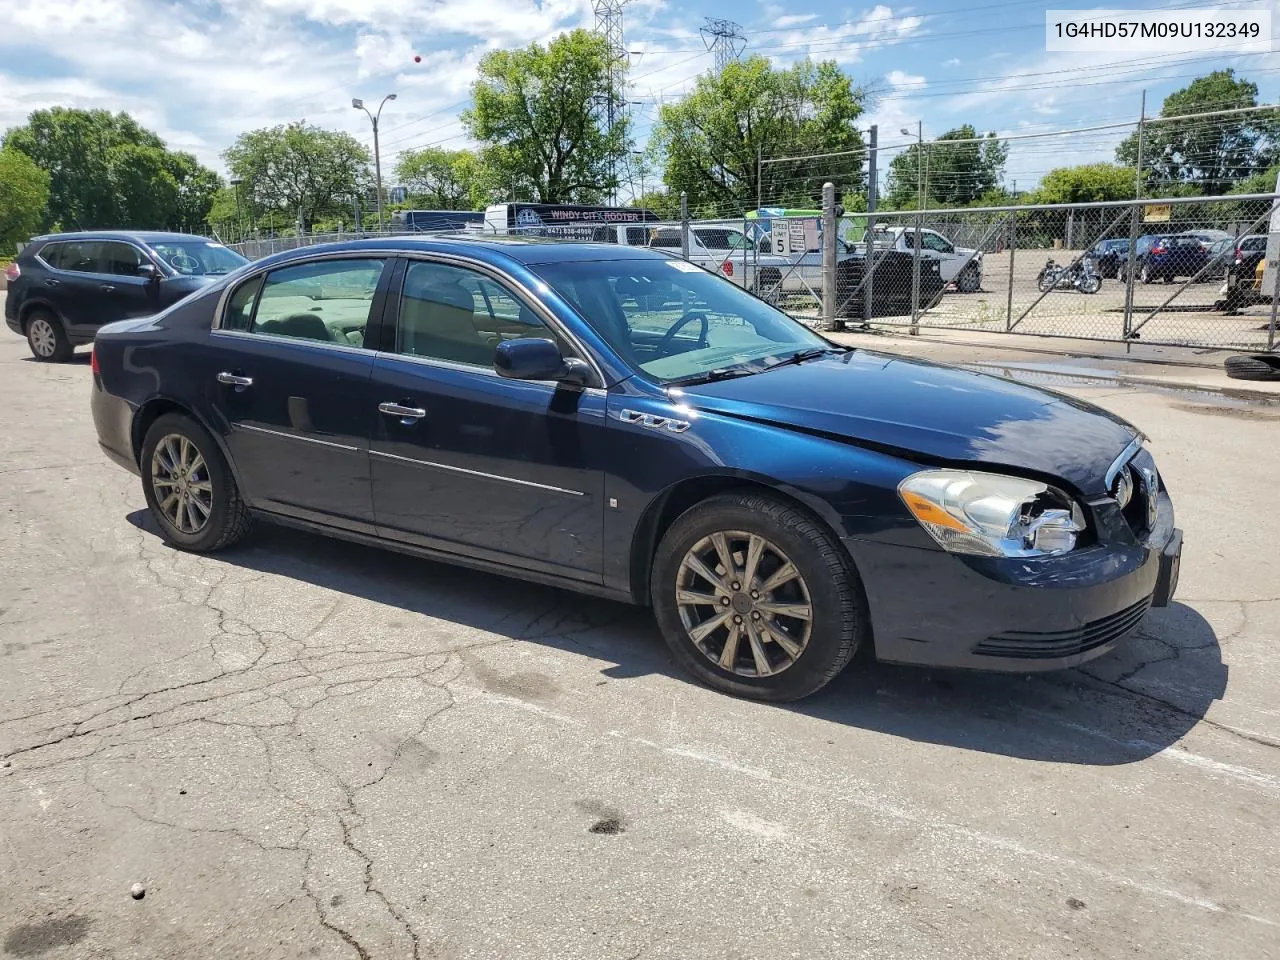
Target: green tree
(298,171)
(444,179)
(713,140)
(662,202)
(1087,183)
(105,170)
(953,174)
(24,194)
(1211,154)
(536,113)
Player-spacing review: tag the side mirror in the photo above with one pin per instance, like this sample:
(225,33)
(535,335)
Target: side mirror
(537,359)
(148,271)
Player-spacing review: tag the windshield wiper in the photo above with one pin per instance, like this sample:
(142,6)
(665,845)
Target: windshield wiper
(800,356)
(721,373)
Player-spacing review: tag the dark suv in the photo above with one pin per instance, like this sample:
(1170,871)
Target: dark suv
(63,287)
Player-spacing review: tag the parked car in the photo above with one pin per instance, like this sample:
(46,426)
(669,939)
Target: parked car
(64,287)
(778,499)
(959,265)
(1167,257)
(892,283)
(1243,285)
(1221,255)
(1109,256)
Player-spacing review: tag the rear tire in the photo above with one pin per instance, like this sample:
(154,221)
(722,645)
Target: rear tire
(1145,274)
(189,486)
(46,338)
(776,656)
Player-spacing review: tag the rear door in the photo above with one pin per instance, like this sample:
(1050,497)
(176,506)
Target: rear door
(287,379)
(74,284)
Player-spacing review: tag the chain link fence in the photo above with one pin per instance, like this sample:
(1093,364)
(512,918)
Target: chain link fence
(1179,271)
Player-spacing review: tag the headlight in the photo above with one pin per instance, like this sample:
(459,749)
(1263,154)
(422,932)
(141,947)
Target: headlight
(990,515)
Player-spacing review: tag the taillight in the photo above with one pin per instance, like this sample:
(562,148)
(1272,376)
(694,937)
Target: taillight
(727,268)
(1159,250)
(12,272)
(93,359)
(1239,253)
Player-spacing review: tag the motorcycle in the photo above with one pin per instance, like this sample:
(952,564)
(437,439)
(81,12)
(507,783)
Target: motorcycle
(1076,276)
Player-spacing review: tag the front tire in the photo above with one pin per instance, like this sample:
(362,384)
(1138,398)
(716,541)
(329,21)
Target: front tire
(46,338)
(970,280)
(189,487)
(1091,284)
(1145,274)
(755,598)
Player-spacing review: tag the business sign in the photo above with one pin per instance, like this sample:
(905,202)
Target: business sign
(571,221)
(1157,213)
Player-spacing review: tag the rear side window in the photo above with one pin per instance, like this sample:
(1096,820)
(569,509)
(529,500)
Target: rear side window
(666,240)
(78,256)
(239,312)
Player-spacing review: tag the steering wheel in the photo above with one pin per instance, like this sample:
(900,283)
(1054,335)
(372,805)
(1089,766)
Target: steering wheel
(665,343)
(184,264)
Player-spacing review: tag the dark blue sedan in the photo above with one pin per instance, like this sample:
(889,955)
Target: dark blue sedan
(618,421)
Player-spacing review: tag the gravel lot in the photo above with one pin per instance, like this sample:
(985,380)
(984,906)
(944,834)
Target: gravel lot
(301,748)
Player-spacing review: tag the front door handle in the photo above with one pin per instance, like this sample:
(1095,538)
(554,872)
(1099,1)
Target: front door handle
(51,282)
(107,288)
(403,412)
(235,380)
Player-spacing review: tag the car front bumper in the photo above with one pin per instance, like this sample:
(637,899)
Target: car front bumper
(934,608)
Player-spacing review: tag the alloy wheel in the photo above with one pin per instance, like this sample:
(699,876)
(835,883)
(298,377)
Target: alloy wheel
(44,341)
(743,604)
(181,483)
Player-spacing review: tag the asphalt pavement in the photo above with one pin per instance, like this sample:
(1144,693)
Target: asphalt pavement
(302,748)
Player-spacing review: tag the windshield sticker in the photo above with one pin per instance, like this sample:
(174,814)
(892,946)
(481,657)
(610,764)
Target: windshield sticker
(685,267)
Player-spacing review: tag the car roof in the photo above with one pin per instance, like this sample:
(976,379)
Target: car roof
(521,250)
(138,236)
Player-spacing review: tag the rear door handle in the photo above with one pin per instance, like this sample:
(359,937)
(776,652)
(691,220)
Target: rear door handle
(403,412)
(51,282)
(107,288)
(235,380)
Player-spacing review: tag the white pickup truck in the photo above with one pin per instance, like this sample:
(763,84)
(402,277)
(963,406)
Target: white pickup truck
(720,249)
(958,265)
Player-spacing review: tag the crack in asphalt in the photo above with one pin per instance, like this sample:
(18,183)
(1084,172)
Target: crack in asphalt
(288,674)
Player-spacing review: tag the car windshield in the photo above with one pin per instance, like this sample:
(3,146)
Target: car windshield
(196,258)
(676,321)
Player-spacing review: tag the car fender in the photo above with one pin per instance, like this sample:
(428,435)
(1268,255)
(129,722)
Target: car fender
(190,410)
(39,303)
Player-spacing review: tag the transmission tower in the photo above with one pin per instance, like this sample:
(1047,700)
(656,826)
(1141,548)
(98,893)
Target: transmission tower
(609,26)
(724,39)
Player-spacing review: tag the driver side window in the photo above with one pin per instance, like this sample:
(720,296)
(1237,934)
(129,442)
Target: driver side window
(460,316)
(931,241)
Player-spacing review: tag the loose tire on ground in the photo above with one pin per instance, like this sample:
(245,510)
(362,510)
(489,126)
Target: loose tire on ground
(46,338)
(837,608)
(228,518)
(1253,368)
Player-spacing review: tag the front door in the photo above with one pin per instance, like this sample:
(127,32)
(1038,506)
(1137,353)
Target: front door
(288,384)
(468,462)
(125,294)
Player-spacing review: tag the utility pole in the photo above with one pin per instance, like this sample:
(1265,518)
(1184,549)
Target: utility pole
(358,104)
(724,39)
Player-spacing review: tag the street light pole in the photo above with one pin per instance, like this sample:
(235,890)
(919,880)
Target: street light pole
(639,154)
(358,104)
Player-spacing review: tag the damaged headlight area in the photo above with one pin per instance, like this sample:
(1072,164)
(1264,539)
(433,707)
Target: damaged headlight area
(991,515)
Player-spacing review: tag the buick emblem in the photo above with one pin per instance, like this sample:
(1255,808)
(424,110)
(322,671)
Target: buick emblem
(1123,488)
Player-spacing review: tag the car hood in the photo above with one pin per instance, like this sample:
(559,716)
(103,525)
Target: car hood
(922,410)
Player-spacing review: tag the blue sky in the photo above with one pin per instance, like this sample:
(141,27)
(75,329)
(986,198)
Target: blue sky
(201,71)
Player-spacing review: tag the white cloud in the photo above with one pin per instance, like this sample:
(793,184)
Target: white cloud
(953,62)
(901,80)
(793,19)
